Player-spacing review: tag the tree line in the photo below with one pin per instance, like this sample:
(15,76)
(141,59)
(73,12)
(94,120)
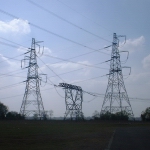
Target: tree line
(5,114)
(145,115)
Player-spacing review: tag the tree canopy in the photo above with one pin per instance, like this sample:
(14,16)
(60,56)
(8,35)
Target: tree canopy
(3,111)
(145,115)
(117,116)
(13,115)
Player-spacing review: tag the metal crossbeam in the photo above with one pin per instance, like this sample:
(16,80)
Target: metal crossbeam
(73,100)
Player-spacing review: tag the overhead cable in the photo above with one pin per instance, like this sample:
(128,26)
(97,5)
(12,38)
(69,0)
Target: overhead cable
(41,7)
(84,16)
(50,32)
(50,69)
(76,62)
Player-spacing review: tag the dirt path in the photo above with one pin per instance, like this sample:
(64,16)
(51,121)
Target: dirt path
(131,138)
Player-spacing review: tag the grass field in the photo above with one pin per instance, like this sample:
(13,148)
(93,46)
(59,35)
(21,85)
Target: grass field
(58,135)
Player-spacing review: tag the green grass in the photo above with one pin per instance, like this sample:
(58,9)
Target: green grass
(57,135)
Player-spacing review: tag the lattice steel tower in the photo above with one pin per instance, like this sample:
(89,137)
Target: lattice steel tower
(32,100)
(73,100)
(116,98)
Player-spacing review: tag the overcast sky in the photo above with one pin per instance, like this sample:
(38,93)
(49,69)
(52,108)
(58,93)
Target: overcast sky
(70,28)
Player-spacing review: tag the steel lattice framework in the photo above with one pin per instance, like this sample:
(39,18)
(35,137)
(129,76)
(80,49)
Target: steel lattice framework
(73,100)
(32,100)
(116,98)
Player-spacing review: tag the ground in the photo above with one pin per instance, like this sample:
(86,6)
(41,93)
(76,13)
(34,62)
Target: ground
(62,135)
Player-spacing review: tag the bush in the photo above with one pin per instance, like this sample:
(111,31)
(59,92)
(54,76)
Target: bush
(14,116)
(3,111)
(145,115)
(117,116)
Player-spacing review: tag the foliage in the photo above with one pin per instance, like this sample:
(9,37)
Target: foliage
(145,115)
(51,113)
(35,116)
(3,111)
(117,116)
(96,115)
(12,115)
(105,116)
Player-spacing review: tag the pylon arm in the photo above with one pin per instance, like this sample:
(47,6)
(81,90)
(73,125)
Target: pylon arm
(70,86)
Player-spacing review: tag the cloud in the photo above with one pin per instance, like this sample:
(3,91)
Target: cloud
(146,62)
(6,62)
(22,49)
(15,26)
(70,65)
(47,51)
(133,45)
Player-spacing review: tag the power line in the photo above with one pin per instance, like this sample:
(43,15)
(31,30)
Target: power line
(41,7)
(79,56)
(76,62)
(85,54)
(139,98)
(13,58)
(8,73)
(87,79)
(11,86)
(22,94)
(45,30)
(83,15)
(48,78)
(8,44)
(5,75)
(13,42)
(58,92)
(51,69)
(38,27)
(67,72)
(11,96)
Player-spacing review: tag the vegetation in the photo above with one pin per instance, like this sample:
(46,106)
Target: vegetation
(145,115)
(51,113)
(117,116)
(3,111)
(96,115)
(12,115)
(5,114)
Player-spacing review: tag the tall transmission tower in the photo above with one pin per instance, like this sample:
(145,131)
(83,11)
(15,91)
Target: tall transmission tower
(116,98)
(32,100)
(73,100)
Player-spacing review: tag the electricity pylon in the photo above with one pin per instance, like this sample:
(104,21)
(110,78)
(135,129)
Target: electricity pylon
(73,100)
(32,101)
(116,98)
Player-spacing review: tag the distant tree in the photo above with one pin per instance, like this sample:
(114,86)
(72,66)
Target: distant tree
(96,115)
(35,116)
(145,115)
(79,115)
(123,115)
(45,115)
(51,113)
(12,115)
(105,116)
(3,111)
